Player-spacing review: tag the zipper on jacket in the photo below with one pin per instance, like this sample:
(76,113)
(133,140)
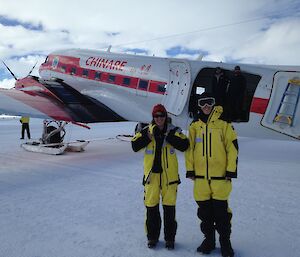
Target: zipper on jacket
(167,157)
(163,165)
(166,170)
(206,151)
(160,180)
(210,143)
(203,145)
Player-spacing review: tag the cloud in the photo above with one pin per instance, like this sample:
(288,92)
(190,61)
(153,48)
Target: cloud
(249,31)
(280,44)
(12,22)
(21,66)
(7,83)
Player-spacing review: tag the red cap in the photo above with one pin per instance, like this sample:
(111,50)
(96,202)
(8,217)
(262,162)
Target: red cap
(158,108)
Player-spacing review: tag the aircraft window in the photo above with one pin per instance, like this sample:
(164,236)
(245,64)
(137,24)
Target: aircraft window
(97,75)
(85,73)
(73,71)
(161,88)
(63,68)
(143,84)
(126,81)
(111,78)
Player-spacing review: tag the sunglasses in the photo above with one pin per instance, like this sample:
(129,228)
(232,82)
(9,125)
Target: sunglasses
(210,101)
(159,116)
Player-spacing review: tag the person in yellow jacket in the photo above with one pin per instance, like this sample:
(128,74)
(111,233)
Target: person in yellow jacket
(159,141)
(211,161)
(25,126)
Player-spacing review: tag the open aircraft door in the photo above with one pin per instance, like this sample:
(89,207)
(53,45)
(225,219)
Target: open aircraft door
(283,111)
(177,90)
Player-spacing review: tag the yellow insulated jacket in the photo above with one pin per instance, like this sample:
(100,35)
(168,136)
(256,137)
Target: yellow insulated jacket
(24,119)
(169,161)
(213,150)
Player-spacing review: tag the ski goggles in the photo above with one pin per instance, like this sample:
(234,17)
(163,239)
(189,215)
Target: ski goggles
(210,101)
(159,115)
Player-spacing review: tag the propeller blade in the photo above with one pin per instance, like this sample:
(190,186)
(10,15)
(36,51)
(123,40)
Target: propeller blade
(9,70)
(32,69)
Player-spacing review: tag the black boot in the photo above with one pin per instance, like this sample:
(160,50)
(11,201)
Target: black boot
(226,248)
(170,245)
(207,246)
(152,243)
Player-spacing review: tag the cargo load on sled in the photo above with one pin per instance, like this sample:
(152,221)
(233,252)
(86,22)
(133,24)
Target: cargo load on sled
(52,141)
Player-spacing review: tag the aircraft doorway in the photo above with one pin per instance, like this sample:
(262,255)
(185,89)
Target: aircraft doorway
(177,90)
(204,82)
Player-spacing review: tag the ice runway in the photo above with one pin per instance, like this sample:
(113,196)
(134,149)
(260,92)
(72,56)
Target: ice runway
(90,204)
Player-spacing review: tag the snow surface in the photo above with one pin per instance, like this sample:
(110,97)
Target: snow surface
(90,204)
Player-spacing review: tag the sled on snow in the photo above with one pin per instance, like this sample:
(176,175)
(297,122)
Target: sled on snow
(52,140)
(55,149)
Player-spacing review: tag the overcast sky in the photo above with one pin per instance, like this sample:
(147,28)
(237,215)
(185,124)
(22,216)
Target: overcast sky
(240,31)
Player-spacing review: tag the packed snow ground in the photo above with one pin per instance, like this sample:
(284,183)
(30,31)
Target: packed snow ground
(90,204)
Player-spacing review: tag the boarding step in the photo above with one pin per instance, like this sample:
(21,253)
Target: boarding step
(288,105)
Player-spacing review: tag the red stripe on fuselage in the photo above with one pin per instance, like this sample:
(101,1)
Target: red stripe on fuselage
(65,65)
(259,105)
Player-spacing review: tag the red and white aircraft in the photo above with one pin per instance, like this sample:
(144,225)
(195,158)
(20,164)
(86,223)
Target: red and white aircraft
(85,86)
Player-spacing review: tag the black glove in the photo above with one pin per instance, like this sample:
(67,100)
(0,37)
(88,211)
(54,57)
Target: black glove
(230,174)
(190,174)
(172,133)
(144,132)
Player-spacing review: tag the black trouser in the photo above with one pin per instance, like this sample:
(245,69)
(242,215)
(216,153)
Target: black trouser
(25,126)
(206,214)
(214,215)
(222,219)
(170,223)
(153,223)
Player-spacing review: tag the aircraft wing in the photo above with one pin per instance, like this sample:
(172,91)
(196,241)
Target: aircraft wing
(56,100)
